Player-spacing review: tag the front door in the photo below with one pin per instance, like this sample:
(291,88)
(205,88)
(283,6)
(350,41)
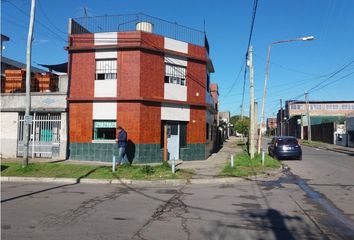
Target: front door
(173,141)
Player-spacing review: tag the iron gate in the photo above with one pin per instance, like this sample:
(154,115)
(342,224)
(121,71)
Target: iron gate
(44,135)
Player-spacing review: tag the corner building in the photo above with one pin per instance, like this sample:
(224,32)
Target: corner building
(147,75)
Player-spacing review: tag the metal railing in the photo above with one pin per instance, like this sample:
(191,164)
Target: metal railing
(128,22)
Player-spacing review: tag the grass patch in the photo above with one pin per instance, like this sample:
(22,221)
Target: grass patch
(244,166)
(62,170)
(312,143)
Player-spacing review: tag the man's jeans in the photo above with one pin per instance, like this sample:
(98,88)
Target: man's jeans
(122,156)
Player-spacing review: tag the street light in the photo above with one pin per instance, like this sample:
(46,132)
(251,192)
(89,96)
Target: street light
(308,38)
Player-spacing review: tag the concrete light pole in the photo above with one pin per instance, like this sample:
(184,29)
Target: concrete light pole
(266,78)
(28,86)
(251,135)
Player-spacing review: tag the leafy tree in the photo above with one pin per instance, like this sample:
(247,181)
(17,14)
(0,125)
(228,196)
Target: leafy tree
(240,125)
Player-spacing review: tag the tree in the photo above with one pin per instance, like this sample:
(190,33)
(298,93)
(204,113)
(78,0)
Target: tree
(240,125)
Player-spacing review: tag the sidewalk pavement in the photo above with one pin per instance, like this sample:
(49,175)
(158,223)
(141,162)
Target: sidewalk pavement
(213,165)
(331,147)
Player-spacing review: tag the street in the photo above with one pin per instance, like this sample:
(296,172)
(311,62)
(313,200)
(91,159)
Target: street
(311,201)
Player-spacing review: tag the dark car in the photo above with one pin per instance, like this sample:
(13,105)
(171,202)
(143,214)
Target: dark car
(285,147)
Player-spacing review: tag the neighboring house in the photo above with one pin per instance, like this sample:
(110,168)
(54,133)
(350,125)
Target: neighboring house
(147,75)
(225,125)
(295,115)
(345,132)
(271,125)
(48,108)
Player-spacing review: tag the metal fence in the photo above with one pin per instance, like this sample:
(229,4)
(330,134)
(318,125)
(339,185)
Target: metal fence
(44,135)
(128,22)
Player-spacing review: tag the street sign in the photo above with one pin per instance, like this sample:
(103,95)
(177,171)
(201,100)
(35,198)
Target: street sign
(28,119)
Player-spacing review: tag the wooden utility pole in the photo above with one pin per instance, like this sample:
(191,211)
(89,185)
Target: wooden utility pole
(309,137)
(252,119)
(26,135)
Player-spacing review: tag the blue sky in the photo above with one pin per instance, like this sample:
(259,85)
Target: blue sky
(295,67)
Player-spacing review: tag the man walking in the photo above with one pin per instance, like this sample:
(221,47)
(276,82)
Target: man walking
(122,145)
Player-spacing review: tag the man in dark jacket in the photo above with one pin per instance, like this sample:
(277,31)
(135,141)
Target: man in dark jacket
(122,145)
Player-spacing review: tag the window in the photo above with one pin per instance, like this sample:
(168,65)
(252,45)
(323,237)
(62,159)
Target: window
(175,74)
(106,69)
(208,82)
(315,107)
(207,131)
(104,129)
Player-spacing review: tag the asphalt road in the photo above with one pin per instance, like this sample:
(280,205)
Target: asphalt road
(307,202)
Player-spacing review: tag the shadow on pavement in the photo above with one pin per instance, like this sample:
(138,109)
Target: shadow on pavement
(52,188)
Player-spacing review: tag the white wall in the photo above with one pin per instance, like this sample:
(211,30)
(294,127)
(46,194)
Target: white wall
(175,112)
(175,92)
(105,88)
(101,54)
(8,134)
(104,111)
(176,60)
(176,45)
(106,38)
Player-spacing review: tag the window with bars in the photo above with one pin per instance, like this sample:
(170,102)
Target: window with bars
(104,130)
(106,69)
(175,74)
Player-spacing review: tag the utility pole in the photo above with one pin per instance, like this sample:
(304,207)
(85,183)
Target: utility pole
(28,86)
(281,118)
(252,119)
(309,137)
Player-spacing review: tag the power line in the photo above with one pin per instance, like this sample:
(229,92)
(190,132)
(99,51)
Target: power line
(255,4)
(48,19)
(41,24)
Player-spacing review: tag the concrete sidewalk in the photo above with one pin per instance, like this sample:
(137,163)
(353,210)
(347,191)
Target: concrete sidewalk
(211,167)
(331,147)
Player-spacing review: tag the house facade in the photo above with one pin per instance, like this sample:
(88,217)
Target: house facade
(48,129)
(295,115)
(140,76)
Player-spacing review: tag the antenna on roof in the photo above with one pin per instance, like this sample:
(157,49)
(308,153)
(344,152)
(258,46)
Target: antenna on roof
(85,11)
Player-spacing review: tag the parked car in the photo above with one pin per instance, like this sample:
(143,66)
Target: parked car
(285,147)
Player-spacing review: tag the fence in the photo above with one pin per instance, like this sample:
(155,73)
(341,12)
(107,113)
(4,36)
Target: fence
(128,22)
(44,135)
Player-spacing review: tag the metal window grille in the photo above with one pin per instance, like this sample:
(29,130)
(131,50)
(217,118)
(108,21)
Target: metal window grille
(106,69)
(175,74)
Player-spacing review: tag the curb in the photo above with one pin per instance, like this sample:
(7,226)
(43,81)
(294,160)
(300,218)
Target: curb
(170,182)
(331,149)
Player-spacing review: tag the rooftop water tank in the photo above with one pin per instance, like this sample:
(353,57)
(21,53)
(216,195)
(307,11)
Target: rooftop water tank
(144,26)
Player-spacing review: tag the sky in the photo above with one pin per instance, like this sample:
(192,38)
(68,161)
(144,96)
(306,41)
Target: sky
(324,67)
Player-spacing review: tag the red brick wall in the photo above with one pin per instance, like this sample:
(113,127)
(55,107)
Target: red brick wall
(196,127)
(82,40)
(129,74)
(196,82)
(82,75)
(150,120)
(81,124)
(152,75)
(128,116)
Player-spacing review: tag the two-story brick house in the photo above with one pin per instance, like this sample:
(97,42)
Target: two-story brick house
(147,75)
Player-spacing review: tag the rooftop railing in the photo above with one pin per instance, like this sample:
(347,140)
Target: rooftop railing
(128,22)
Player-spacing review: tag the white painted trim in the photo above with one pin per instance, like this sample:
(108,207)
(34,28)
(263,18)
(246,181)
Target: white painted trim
(175,92)
(104,111)
(176,60)
(175,45)
(175,112)
(99,54)
(106,38)
(105,88)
